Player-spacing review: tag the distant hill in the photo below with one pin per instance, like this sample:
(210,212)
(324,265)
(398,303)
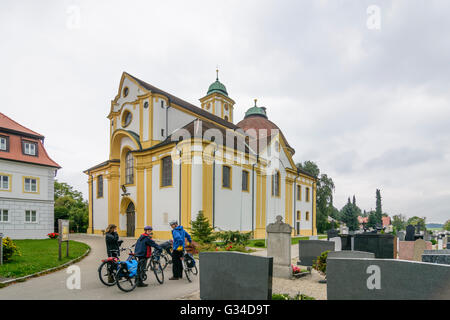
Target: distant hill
(434,226)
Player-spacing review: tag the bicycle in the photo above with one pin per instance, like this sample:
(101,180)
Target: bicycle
(108,268)
(127,277)
(189,265)
(166,256)
(154,263)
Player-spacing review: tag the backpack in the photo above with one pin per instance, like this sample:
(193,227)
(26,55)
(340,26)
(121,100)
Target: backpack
(129,269)
(190,261)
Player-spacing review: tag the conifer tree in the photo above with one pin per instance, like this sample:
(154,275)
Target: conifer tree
(201,230)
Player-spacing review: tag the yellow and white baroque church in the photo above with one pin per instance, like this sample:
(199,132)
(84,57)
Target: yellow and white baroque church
(170,159)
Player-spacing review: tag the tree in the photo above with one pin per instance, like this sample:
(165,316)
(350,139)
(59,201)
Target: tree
(417,222)
(399,222)
(324,194)
(201,230)
(69,204)
(378,210)
(349,216)
(447,225)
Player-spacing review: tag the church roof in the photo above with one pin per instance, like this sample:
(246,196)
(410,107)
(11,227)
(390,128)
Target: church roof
(185,105)
(217,86)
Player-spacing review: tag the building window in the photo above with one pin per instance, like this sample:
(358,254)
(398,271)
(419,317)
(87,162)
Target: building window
(307,194)
(226,118)
(30,185)
(226,177)
(166,171)
(4,143)
(5,183)
(29,148)
(125,91)
(30,216)
(298,216)
(126,118)
(245,176)
(129,168)
(100,186)
(307,216)
(162,104)
(299,193)
(4,215)
(276,184)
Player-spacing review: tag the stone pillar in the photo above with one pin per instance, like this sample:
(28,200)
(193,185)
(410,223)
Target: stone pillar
(279,247)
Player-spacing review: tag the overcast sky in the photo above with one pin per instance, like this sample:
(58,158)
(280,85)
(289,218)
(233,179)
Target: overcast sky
(370,106)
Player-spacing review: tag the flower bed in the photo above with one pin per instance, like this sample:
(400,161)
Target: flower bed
(53,235)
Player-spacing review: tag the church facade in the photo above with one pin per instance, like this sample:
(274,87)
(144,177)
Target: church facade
(170,159)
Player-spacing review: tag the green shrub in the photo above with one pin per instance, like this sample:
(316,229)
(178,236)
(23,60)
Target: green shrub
(259,244)
(285,296)
(433,241)
(320,264)
(234,237)
(9,249)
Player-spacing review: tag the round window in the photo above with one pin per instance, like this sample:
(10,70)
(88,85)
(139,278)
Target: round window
(146,104)
(125,91)
(126,118)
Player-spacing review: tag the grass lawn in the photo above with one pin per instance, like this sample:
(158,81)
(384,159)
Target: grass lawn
(294,240)
(39,255)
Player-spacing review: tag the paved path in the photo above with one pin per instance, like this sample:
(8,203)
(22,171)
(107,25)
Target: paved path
(53,286)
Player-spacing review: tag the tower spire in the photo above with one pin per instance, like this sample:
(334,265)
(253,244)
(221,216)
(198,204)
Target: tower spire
(217,73)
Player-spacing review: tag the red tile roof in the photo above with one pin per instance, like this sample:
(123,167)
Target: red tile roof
(16,134)
(386,220)
(9,124)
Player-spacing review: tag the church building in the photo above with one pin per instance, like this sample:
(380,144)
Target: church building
(170,159)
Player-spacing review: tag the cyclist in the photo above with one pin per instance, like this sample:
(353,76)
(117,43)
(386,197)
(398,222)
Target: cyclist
(179,235)
(143,251)
(112,246)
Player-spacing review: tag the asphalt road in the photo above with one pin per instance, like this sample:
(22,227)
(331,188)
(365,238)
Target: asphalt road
(53,286)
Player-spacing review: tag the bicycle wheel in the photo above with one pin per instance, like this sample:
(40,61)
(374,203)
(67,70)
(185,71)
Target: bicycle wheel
(194,270)
(107,273)
(158,270)
(164,261)
(187,271)
(124,282)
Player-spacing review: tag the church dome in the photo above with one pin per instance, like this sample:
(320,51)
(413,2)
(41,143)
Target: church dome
(217,86)
(256,118)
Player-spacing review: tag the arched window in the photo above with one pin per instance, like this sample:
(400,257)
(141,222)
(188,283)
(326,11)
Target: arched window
(129,168)
(276,184)
(226,177)
(100,186)
(226,118)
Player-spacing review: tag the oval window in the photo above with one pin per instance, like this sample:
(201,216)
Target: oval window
(126,118)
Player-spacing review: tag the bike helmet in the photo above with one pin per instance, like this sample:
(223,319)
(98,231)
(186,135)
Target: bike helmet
(173,222)
(148,228)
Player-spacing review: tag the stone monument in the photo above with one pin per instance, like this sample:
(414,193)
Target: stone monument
(279,247)
(410,233)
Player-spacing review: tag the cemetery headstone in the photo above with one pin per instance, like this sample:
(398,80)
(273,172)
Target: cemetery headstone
(309,250)
(235,276)
(436,256)
(279,247)
(333,233)
(382,245)
(410,233)
(419,247)
(337,243)
(401,235)
(386,279)
(351,254)
(440,243)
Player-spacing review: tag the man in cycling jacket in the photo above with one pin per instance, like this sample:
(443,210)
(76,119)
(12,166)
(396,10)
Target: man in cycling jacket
(143,251)
(179,235)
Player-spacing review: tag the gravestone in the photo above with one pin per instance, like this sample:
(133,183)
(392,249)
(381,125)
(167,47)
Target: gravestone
(419,247)
(386,279)
(440,243)
(346,241)
(337,243)
(382,245)
(410,233)
(351,254)
(401,235)
(309,250)
(333,233)
(279,247)
(436,256)
(235,276)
